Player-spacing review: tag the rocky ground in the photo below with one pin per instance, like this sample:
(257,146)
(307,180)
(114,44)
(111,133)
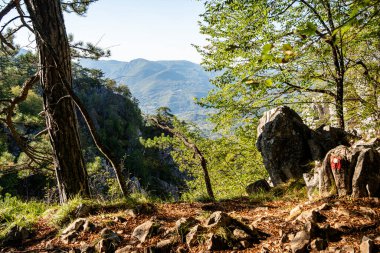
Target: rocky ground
(240,225)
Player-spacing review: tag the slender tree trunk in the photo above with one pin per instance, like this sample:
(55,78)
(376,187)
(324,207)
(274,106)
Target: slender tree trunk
(196,151)
(339,104)
(205,173)
(61,120)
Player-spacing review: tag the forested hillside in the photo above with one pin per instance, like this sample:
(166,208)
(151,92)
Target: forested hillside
(172,84)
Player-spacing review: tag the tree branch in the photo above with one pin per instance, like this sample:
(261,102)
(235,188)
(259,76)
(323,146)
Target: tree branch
(323,91)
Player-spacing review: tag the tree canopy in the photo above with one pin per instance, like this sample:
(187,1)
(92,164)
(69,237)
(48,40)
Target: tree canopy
(296,52)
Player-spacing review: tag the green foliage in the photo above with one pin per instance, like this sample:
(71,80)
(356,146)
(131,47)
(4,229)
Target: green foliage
(232,161)
(272,53)
(14,211)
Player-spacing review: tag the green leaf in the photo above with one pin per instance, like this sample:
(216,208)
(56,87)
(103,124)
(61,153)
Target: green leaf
(287,47)
(267,48)
(269,82)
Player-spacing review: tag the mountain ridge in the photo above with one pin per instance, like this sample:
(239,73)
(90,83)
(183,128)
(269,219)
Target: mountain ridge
(165,83)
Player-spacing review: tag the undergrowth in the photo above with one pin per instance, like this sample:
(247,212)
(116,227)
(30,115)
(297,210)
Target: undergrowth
(14,211)
(290,191)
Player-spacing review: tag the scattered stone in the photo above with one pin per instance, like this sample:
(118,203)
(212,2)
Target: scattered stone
(343,212)
(82,210)
(49,245)
(145,230)
(119,219)
(295,212)
(85,248)
(261,185)
(367,245)
(348,249)
(69,237)
(368,211)
(15,236)
(181,249)
(183,225)
(323,207)
(300,242)
(241,235)
(265,250)
(108,234)
(217,242)
(245,244)
(318,244)
(311,179)
(284,238)
(88,226)
(105,246)
(218,219)
(311,216)
(131,213)
(126,249)
(163,246)
(75,226)
(341,226)
(192,238)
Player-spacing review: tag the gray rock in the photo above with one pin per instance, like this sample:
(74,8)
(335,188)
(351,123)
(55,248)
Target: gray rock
(312,216)
(85,248)
(241,235)
(105,246)
(351,171)
(82,210)
(108,234)
(183,225)
(282,142)
(311,179)
(318,244)
(119,219)
(192,238)
(145,230)
(367,245)
(131,213)
(164,246)
(245,244)
(287,145)
(75,226)
(126,249)
(261,185)
(348,249)
(300,242)
(69,237)
(218,219)
(217,242)
(366,178)
(88,226)
(15,236)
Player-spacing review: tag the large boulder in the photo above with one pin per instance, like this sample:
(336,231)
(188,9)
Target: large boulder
(351,171)
(282,141)
(288,146)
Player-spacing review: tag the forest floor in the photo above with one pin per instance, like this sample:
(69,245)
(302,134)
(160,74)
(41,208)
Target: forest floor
(352,219)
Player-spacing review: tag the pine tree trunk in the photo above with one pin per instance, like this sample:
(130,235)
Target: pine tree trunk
(55,62)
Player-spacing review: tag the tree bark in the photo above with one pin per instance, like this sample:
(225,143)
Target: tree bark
(55,63)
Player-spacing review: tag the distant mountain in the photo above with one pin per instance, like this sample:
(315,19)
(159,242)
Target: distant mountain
(172,84)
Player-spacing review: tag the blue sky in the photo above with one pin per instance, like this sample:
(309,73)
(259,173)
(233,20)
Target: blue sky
(150,29)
